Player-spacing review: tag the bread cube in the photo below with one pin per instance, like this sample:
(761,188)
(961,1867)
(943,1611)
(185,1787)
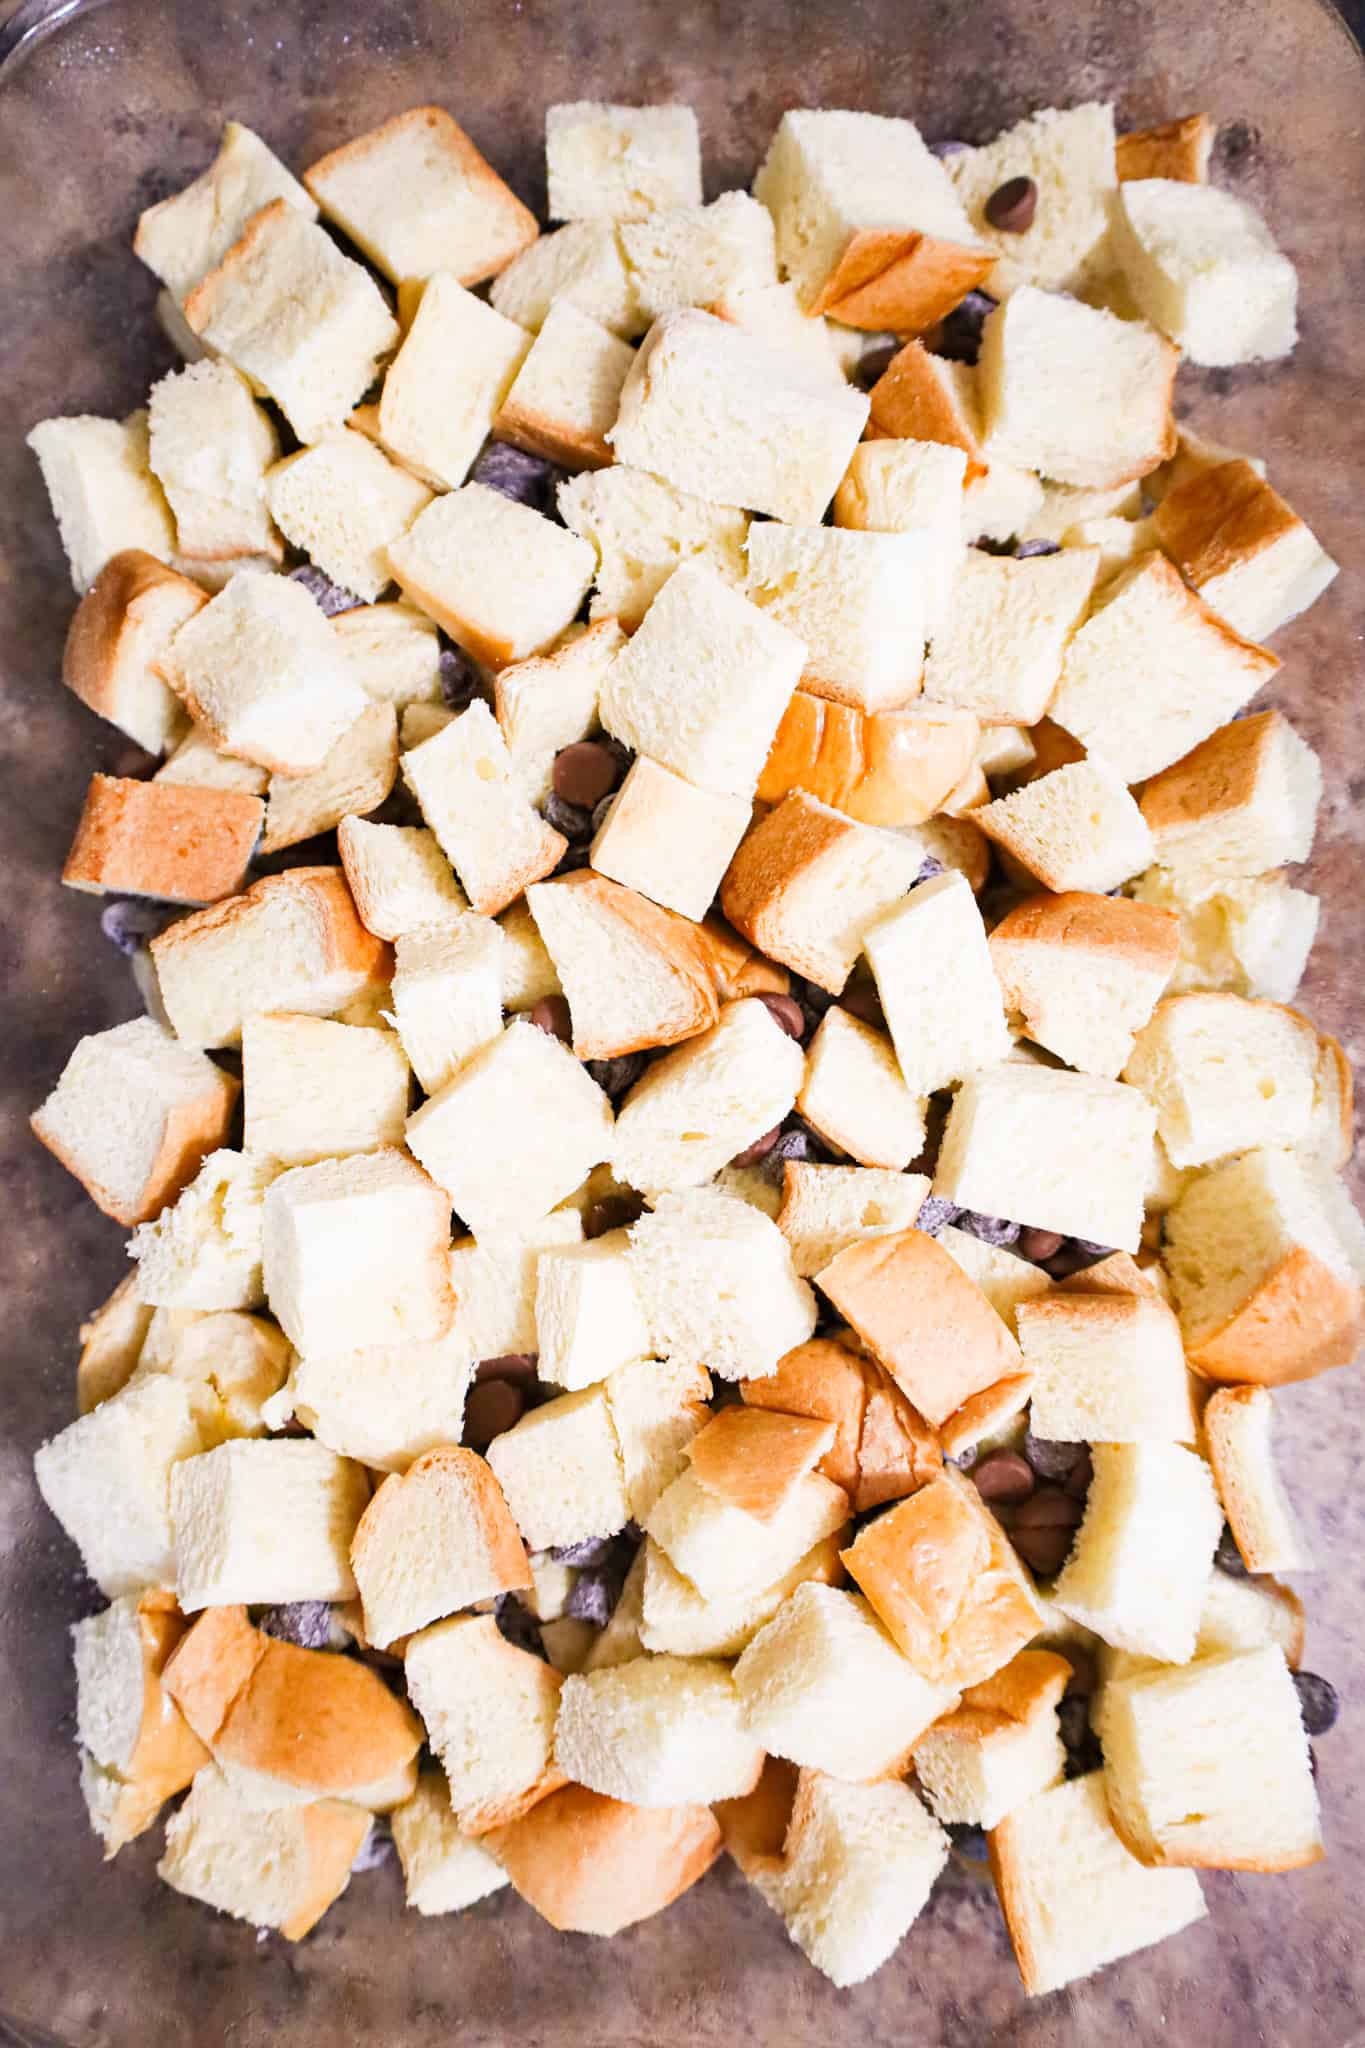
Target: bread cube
(228,1507)
(495,1283)
(343,503)
(1204,268)
(588,1320)
(715,1280)
(1243,1614)
(669,839)
(1237,1429)
(1248,554)
(1106,1368)
(445,386)
(719,411)
(393,653)
(883,1448)
(1175,149)
(1140,1564)
(387,1404)
(642,528)
(444,1870)
(593,1865)
(859,601)
(447,996)
(210,448)
(490,1714)
(774,312)
(755,1459)
(1075,392)
(204,1250)
(111,1343)
(566,393)
(999,1746)
(500,579)
(693,1110)
(234,1365)
(1025,1141)
(1248,935)
(1068,152)
(435,1538)
(137,1750)
(528,972)
(656,1731)
(884,768)
(1075,827)
(1084,973)
(582,265)
(1244,801)
(929,401)
(277,1868)
(911,486)
(932,945)
(184,237)
(868,227)
(634,975)
(183,845)
(360,1107)
(463,778)
(399,878)
(514,1131)
(560,1469)
(102,491)
(854,1095)
(355,777)
(693,255)
(106,1478)
(729,1554)
(675,1618)
(1003,1277)
(620,163)
(656,1407)
(1226,1075)
(120,630)
(827,1208)
(196,761)
(1007,633)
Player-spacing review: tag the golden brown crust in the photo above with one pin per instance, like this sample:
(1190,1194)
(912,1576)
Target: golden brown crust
(557,440)
(754,1827)
(1119,1273)
(772,856)
(1110,927)
(203,302)
(675,941)
(332,1834)
(1053,747)
(171,840)
(1217,776)
(1155,1857)
(193,1130)
(1176,149)
(111,1344)
(1301,1320)
(130,590)
(1026,1689)
(736,968)
(1238,1488)
(898,279)
(1221,519)
(457,1473)
(881,767)
(883,1449)
(753,1457)
(593,1865)
(167,1752)
(916,399)
(302,806)
(984,1412)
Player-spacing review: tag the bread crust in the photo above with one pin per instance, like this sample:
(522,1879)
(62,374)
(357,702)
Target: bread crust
(754,1827)
(572,447)
(880,767)
(1026,1689)
(1240,1488)
(1106,926)
(1217,776)
(774,856)
(332,1834)
(167,1752)
(1301,1320)
(1176,149)
(193,1130)
(593,1865)
(916,399)
(1222,519)
(883,1449)
(675,940)
(753,1457)
(1156,1858)
(129,592)
(302,806)
(450,1469)
(736,968)
(984,1412)
(898,279)
(170,840)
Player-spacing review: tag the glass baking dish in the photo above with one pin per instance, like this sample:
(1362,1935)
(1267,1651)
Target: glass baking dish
(111,108)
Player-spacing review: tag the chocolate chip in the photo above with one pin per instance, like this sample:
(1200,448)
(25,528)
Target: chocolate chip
(810,995)
(492,1407)
(328,596)
(1043,1528)
(1084,1673)
(615,1077)
(928,868)
(787,1012)
(514,474)
(1050,1457)
(936,1214)
(572,859)
(517,1366)
(613,1212)
(1004,1477)
(593,1550)
(584,773)
(551,1014)
(128,924)
(1037,1245)
(306,1623)
(1318,1702)
(1011,207)
(1228,1557)
(1027,549)
(968,1840)
(1073,1719)
(573,820)
(993,1230)
(863,1002)
(1077,1481)
(459,679)
(873,363)
(966,1461)
(761,1147)
(377,1847)
(959,337)
(518,1625)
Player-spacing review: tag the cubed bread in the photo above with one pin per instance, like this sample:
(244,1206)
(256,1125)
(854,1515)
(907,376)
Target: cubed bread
(1243,802)
(607,162)
(1153,671)
(210,447)
(1174,149)
(593,1865)
(1004,1278)
(387,1404)
(911,486)
(634,976)
(719,411)
(668,839)
(416,196)
(1139,1567)
(343,503)
(137,1750)
(659,1731)
(355,1253)
(181,844)
(173,1107)
(774,311)
(674,1618)
(121,628)
(1075,827)
(924,399)
(229,1506)
(859,601)
(399,879)
(528,972)
(1068,153)
(868,226)
(588,1320)
(393,652)
(355,777)
(447,995)
(692,1111)
(184,237)
(435,1538)
(890,768)
(503,581)
(657,1408)
(111,1343)
(464,780)
(197,761)
(566,394)
(999,1746)
(739,971)
(1000,504)
(1242,1614)
(883,1448)
(934,973)
(854,1095)
(292,942)
(1008,627)
(560,1469)
(693,255)
(315,1089)
(1248,554)
(581,265)
(1226,1075)
(1237,1429)
(1074,391)
(1204,268)
(234,1365)
(755,1458)
(1210,1766)
(1107,1368)
(489,1710)
(716,1283)
(203,1251)
(1084,973)
(827,1208)
(444,1870)
(729,1554)
(443,390)
(106,1478)
(1069,1152)
(641,529)
(1266,1262)
(104,497)
(515,1130)
(1073,1897)
(280,1867)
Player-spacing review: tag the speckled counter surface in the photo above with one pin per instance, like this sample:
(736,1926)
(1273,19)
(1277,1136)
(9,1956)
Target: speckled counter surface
(118,110)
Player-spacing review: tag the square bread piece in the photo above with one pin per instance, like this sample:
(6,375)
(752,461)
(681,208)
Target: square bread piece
(566,394)
(136,1748)
(177,843)
(1107,1368)
(605,162)
(1174,149)
(416,196)
(668,839)
(721,412)
(184,237)
(693,255)
(1076,827)
(394,653)
(869,228)
(1204,268)
(133,1114)
(261,669)
(593,1865)
(387,1404)
(1075,392)
(934,973)
(673,1616)
(356,776)
(634,975)
(314,1089)
(495,1284)
(447,995)
(1068,152)
(907,486)
(715,1280)
(1065,1151)
(926,399)
(692,1111)
(999,1746)
(355,1253)
(1248,554)
(774,311)
(518,1127)
(728,1554)
(260,1521)
(280,1868)
(702,684)
(106,1478)
(1073,1897)
(582,265)
(657,1731)
(103,495)
(1008,626)
(528,972)
(452,372)
(1083,973)
(549,701)
(210,447)
(1226,1075)
(808,882)
(120,630)
(854,1096)
(1210,1766)
(342,502)
(443,1870)
(657,1407)
(827,1208)
(859,601)
(1140,1564)
(500,579)
(435,1538)
(560,1469)
(489,1710)
(204,1251)
(1248,935)
(1238,1422)
(300,320)
(197,761)
(1266,1260)
(1003,1277)
(1243,802)
(642,528)
(111,1343)
(588,1321)
(883,767)
(464,781)
(1153,671)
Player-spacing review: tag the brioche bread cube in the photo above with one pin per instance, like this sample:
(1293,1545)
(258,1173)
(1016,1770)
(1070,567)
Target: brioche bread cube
(1226,1075)
(1007,632)
(1084,973)
(567,391)
(999,1746)
(1237,1429)
(234,1365)
(1248,554)
(1210,1766)
(111,1343)
(503,581)
(911,486)
(528,972)
(196,761)
(642,528)
(668,839)
(1068,152)
(593,1865)
(930,946)
(1139,1567)
(560,1469)
(927,400)
(184,237)
(316,1089)
(181,844)
(883,1448)
(444,388)
(827,1208)
(1005,1279)
(1106,1368)
(204,1250)
(447,995)
(495,1283)
(693,1110)
(1176,149)
(102,491)
(1244,801)
(1073,1896)
(755,1458)
(210,448)
(464,780)
(657,1730)
(774,312)
(617,163)
(276,1868)
(1075,827)
(729,1554)
(999,505)
(582,265)
(675,1618)
(656,1407)
(137,1750)
(355,777)
(230,1507)
(588,1320)
(343,503)
(868,226)
(489,1710)
(400,880)
(692,255)
(635,976)
(387,1404)
(853,1094)
(437,1537)
(393,652)
(106,1478)
(892,768)
(1247,935)
(514,1131)
(115,642)
(721,412)
(1204,268)
(444,1870)
(1075,392)
(859,601)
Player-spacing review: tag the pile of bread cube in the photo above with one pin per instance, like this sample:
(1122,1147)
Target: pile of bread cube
(939,880)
